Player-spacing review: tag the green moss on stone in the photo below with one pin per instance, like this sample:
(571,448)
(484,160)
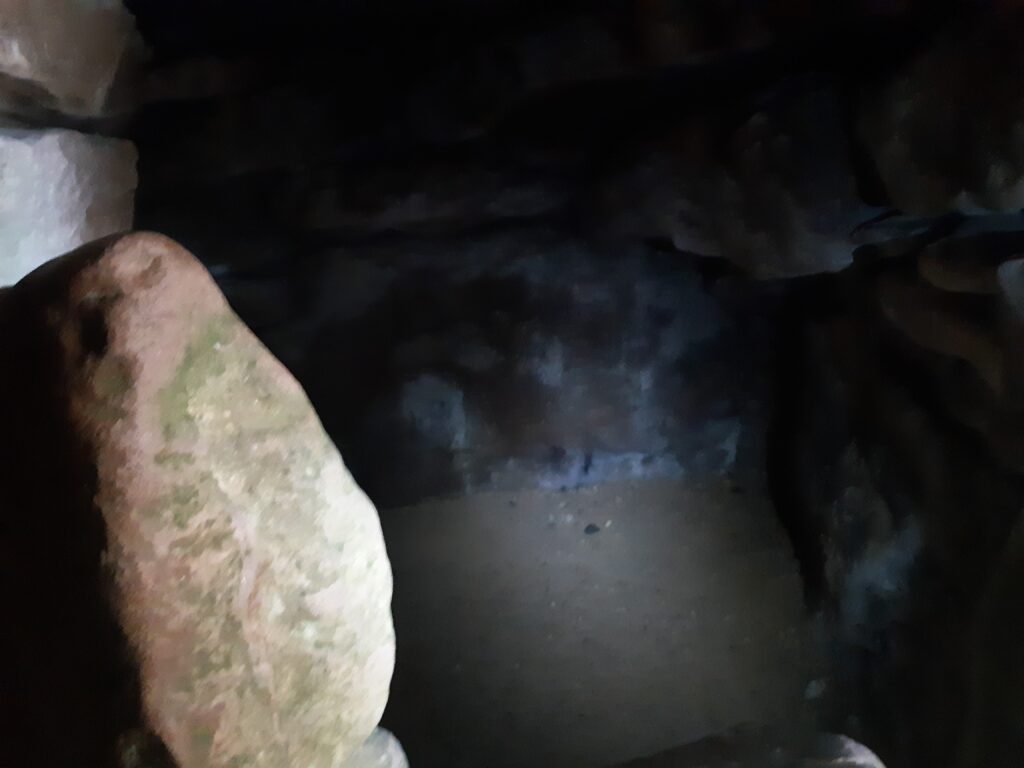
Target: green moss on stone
(111,382)
(202,741)
(174,460)
(184,505)
(203,360)
(112,379)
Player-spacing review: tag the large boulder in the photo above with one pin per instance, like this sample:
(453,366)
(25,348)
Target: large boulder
(61,55)
(247,570)
(58,190)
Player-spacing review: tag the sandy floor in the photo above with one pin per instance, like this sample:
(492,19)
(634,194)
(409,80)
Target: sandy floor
(587,627)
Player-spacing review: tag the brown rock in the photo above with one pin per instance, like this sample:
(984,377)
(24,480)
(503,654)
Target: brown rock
(249,573)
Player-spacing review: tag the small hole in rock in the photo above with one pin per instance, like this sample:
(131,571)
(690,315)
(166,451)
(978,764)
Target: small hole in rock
(92,330)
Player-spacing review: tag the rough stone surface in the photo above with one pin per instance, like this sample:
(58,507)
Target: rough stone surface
(525,641)
(789,204)
(946,133)
(58,190)
(756,748)
(528,358)
(381,750)
(61,55)
(249,570)
(996,691)
(778,200)
(844,752)
(903,439)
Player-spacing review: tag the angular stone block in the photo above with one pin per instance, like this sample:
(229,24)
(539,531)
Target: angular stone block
(58,190)
(61,54)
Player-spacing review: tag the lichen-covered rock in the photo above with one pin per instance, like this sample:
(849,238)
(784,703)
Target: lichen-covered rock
(381,750)
(249,570)
(61,54)
(58,190)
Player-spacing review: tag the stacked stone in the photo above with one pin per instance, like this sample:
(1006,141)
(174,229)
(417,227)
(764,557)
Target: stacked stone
(215,590)
(60,188)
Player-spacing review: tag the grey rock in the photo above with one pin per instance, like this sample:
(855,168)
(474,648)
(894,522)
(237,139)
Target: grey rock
(381,750)
(841,752)
(60,189)
(789,204)
(61,55)
(248,569)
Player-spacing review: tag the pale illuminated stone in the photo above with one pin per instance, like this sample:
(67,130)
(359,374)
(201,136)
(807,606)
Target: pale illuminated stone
(381,750)
(61,55)
(60,189)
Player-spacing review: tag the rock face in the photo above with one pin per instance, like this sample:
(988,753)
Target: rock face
(58,190)
(788,203)
(945,133)
(249,570)
(527,387)
(996,701)
(381,750)
(904,419)
(758,749)
(777,197)
(61,55)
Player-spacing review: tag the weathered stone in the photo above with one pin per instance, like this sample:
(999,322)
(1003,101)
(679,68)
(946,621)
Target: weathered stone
(58,190)
(781,202)
(930,320)
(395,199)
(908,560)
(760,749)
(249,570)
(842,752)
(965,305)
(995,693)
(381,750)
(62,54)
(788,203)
(946,133)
